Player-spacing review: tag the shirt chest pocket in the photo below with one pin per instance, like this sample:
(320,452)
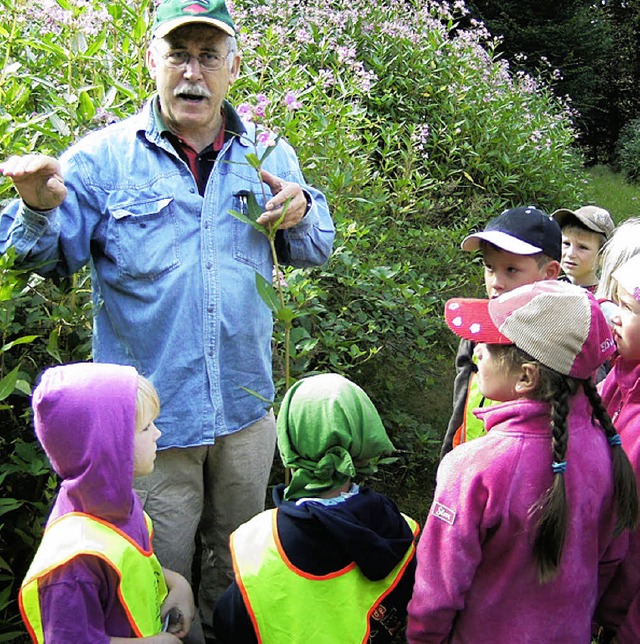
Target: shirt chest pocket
(146,238)
(250,247)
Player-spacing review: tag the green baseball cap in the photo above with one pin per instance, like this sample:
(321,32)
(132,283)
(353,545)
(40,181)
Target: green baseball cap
(172,14)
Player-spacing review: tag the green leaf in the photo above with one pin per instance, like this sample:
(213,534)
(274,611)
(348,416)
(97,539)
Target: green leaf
(257,395)
(87,108)
(267,293)
(59,125)
(140,27)
(285,314)
(253,160)
(24,387)
(247,220)
(52,345)
(97,44)
(78,43)
(255,209)
(52,48)
(4,565)
(8,383)
(25,339)
(8,505)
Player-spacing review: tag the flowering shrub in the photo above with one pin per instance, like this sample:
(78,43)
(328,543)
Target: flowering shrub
(400,112)
(416,133)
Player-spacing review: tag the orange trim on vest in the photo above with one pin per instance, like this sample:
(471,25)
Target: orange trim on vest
(474,400)
(416,532)
(270,533)
(243,591)
(99,555)
(124,535)
(27,623)
(123,603)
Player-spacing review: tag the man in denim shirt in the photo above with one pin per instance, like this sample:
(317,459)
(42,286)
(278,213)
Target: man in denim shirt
(146,201)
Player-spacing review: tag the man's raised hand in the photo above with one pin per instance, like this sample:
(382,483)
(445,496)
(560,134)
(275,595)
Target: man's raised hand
(38,180)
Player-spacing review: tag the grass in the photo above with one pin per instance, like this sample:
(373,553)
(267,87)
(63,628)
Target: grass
(610,190)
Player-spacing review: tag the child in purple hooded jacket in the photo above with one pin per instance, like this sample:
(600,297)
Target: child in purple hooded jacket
(95,577)
(520,536)
(619,610)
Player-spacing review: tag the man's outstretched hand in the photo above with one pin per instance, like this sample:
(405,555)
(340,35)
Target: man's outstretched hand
(38,180)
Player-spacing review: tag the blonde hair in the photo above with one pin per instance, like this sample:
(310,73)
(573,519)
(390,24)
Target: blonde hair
(623,244)
(147,402)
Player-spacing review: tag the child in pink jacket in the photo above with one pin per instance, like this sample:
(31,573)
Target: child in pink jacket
(619,610)
(521,529)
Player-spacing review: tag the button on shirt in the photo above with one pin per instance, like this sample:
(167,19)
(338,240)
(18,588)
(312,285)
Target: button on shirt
(173,273)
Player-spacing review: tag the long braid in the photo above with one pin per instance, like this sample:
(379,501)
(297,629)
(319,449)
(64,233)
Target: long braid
(625,488)
(551,507)
(550,510)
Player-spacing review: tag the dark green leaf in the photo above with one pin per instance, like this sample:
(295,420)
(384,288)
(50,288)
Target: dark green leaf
(8,383)
(267,293)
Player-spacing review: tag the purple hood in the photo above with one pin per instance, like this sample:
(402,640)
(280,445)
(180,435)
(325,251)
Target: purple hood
(84,416)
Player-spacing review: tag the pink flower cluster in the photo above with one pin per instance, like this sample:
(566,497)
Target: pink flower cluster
(291,101)
(258,111)
(83,16)
(420,136)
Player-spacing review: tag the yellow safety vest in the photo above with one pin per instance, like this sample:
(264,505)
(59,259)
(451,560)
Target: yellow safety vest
(289,605)
(141,589)
(472,427)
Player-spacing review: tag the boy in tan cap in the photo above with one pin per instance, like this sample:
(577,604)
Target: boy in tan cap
(584,232)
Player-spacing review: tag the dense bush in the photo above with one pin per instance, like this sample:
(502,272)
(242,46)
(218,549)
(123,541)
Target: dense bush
(412,128)
(628,151)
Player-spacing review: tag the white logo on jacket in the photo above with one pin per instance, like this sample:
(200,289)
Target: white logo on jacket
(443,513)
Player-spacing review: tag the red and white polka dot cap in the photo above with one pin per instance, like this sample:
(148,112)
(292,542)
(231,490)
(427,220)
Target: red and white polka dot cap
(628,276)
(557,323)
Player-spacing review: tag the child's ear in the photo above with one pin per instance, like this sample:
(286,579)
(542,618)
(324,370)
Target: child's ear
(528,379)
(552,270)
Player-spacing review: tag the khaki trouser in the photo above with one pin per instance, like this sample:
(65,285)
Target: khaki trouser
(211,490)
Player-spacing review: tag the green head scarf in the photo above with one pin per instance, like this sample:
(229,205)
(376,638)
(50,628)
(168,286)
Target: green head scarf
(328,431)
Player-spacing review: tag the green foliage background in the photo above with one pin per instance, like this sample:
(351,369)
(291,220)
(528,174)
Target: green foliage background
(414,130)
(628,151)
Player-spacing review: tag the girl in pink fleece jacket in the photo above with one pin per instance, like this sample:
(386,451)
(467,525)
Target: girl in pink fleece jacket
(521,530)
(619,610)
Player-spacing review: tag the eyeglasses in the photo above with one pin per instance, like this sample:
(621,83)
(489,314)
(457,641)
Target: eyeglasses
(208,61)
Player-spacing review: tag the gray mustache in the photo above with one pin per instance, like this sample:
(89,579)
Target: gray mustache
(192,89)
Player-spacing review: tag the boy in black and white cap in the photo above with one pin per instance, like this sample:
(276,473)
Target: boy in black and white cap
(520,246)
(584,232)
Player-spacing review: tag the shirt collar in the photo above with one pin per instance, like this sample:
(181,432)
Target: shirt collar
(231,123)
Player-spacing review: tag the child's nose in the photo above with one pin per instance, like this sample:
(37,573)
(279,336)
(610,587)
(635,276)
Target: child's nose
(496,286)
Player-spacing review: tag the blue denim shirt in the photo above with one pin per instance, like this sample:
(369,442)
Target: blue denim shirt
(173,273)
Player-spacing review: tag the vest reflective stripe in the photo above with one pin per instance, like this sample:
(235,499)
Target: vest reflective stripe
(472,427)
(142,587)
(286,604)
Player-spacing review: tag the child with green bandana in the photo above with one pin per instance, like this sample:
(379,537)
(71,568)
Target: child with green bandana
(334,561)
